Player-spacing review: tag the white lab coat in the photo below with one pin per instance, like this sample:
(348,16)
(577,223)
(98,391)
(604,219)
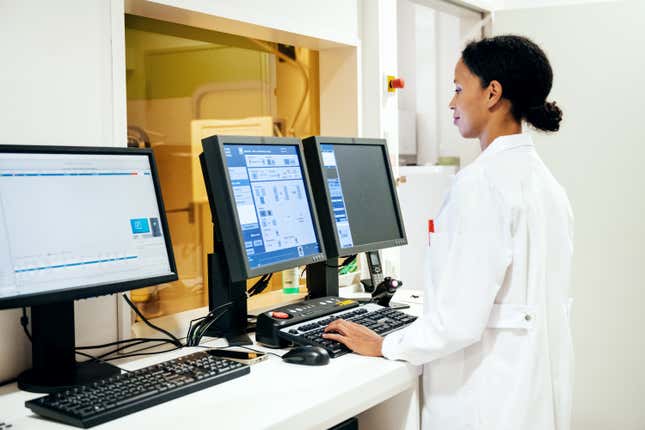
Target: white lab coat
(495,336)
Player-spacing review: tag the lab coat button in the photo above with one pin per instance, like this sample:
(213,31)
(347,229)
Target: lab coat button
(527,317)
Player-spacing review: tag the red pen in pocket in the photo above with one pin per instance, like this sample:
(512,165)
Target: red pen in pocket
(430,229)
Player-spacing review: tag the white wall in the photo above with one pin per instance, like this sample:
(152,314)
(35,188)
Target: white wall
(431,37)
(57,89)
(597,55)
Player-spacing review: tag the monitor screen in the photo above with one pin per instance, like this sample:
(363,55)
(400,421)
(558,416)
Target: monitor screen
(77,220)
(355,194)
(273,206)
(359,187)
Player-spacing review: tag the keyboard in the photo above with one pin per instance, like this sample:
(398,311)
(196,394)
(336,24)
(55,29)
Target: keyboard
(88,405)
(378,318)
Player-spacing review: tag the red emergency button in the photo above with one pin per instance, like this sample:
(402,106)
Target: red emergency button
(397,83)
(280,315)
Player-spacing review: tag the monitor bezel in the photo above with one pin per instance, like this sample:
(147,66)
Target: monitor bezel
(100,289)
(313,153)
(226,217)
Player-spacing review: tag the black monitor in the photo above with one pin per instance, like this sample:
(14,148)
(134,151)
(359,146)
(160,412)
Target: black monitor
(76,223)
(356,197)
(264,218)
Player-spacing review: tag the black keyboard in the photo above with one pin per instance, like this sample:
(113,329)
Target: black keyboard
(88,405)
(381,320)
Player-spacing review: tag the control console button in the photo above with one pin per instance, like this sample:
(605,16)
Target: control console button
(280,315)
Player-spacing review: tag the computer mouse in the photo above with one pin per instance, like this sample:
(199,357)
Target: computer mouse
(308,355)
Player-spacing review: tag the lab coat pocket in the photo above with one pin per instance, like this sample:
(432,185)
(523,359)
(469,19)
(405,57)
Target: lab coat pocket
(511,316)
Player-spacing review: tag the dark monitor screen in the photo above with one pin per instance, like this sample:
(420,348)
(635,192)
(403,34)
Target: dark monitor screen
(79,222)
(358,198)
(262,204)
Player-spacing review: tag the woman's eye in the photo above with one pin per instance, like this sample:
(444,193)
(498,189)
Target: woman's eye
(457,90)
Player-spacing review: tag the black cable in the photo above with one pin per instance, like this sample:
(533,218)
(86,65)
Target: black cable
(198,331)
(177,342)
(142,353)
(114,351)
(203,331)
(192,330)
(24,321)
(262,279)
(260,285)
(346,262)
(92,358)
(134,339)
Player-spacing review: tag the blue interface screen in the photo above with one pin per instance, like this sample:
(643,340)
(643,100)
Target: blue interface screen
(337,198)
(272,203)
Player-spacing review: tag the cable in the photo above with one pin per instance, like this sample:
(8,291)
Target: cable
(24,321)
(260,285)
(197,331)
(266,47)
(204,329)
(141,353)
(114,351)
(92,358)
(345,262)
(118,342)
(251,291)
(192,330)
(177,342)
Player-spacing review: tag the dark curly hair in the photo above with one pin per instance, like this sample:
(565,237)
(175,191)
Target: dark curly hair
(524,72)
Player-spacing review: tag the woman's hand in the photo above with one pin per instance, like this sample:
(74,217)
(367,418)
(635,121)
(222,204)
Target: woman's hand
(356,337)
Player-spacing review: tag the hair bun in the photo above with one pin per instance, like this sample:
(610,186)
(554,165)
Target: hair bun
(546,117)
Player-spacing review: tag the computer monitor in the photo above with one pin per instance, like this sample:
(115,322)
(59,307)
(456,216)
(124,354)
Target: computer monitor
(264,217)
(356,197)
(76,223)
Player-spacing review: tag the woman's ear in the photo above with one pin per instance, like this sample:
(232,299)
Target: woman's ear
(494,93)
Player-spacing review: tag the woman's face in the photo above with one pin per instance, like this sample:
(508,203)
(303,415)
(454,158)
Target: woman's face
(470,103)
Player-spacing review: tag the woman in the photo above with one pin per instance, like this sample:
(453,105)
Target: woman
(494,336)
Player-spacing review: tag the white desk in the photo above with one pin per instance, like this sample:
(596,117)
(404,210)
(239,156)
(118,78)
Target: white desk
(275,395)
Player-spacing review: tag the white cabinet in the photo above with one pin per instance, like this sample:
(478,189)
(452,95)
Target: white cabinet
(421,192)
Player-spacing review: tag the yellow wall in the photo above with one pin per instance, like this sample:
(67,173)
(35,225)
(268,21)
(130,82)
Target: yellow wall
(163,71)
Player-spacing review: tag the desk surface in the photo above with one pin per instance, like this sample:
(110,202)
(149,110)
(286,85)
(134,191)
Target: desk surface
(274,395)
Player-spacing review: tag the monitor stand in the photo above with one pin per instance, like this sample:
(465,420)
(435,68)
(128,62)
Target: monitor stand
(322,279)
(54,366)
(221,289)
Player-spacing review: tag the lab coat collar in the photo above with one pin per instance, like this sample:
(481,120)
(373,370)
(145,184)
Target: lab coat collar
(505,143)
